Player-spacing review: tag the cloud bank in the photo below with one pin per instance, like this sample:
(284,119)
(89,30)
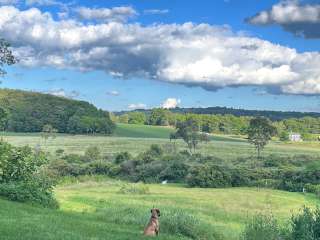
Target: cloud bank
(201,55)
(301,20)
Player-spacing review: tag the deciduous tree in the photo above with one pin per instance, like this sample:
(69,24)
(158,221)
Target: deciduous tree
(260,132)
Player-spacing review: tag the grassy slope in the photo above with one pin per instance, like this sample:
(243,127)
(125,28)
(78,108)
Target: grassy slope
(142,131)
(93,210)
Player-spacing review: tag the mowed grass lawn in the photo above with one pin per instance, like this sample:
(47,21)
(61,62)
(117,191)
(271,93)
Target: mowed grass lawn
(136,138)
(96,210)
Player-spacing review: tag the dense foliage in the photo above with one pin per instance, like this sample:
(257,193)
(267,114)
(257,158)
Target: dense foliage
(303,226)
(23,176)
(6,56)
(260,132)
(297,173)
(30,112)
(273,115)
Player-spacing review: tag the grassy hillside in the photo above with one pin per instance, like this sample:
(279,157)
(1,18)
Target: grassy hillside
(142,131)
(96,210)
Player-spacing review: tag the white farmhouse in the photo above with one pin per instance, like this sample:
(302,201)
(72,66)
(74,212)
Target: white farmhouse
(295,137)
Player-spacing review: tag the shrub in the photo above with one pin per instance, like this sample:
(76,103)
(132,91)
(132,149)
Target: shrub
(185,224)
(262,227)
(275,161)
(306,225)
(155,150)
(102,167)
(149,172)
(311,188)
(128,168)
(18,164)
(37,189)
(208,176)
(122,157)
(284,136)
(92,154)
(73,158)
(176,171)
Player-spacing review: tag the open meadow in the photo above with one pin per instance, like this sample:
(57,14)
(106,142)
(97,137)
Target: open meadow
(137,139)
(96,209)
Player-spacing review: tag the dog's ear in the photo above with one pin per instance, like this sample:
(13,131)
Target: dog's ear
(158,212)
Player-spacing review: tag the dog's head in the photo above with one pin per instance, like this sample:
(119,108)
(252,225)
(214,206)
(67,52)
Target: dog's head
(155,212)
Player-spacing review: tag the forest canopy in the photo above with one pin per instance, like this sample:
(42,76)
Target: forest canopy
(31,111)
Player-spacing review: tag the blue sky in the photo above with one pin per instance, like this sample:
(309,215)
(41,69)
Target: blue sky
(111,81)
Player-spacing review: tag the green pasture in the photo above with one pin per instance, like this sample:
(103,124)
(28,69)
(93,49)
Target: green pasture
(137,138)
(96,210)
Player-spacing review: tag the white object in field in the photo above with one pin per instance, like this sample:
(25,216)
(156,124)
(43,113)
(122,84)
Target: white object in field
(295,137)
(164,182)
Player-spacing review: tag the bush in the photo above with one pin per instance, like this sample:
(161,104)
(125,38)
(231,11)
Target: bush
(182,223)
(149,173)
(122,157)
(37,189)
(262,227)
(208,176)
(176,171)
(306,225)
(18,164)
(311,188)
(92,154)
(23,178)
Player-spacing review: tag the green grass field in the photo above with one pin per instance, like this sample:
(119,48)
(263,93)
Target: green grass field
(136,139)
(96,210)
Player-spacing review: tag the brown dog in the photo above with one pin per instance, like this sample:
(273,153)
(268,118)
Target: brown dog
(153,227)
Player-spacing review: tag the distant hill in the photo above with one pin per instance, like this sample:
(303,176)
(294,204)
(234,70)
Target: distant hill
(30,111)
(273,115)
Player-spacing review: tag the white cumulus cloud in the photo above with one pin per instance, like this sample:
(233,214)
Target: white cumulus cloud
(202,55)
(301,20)
(171,103)
(106,14)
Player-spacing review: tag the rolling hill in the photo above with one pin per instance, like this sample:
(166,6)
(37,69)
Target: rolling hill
(30,111)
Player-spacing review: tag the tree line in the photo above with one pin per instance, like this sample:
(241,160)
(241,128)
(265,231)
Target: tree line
(307,126)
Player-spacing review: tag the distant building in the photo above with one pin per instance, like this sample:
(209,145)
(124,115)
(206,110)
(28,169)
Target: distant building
(295,137)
